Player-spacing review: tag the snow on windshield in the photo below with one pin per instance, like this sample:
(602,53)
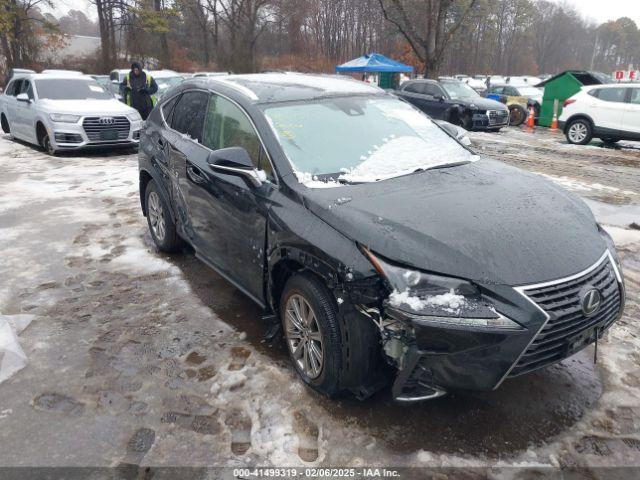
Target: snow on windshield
(359,139)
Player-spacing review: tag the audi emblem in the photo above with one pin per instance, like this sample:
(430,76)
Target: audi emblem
(107,120)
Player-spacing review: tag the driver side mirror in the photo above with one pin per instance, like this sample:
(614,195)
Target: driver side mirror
(23,97)
(439,98)
(236,161)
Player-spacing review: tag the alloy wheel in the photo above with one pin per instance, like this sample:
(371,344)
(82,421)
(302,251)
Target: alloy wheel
(156,216)
(46,145)
(303,335)
(578,132)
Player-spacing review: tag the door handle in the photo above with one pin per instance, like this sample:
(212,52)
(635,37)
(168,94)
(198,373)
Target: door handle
(195,175)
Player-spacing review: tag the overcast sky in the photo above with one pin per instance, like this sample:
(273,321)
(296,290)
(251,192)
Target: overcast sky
(604,10)
(598,10)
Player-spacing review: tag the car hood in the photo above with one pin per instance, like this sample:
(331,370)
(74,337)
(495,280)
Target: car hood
(483,221)
(87,107)
(483,103)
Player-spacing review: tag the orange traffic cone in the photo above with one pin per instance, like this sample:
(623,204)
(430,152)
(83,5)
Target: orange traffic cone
(554,123)
(530,119)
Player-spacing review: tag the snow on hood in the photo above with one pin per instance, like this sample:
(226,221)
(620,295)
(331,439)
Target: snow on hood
(483,221)
(415,155)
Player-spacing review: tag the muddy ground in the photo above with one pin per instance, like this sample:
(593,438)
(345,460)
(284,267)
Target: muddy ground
(139,358)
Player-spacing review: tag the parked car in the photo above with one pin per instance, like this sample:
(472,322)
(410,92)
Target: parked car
(609,112)
(478,85)
(519,100)
(211,74)
(15,71)
(524,81)
(57,71)
(117,75)
(444,267)
(165,81)
(61,112)
(112,87)
(455,102)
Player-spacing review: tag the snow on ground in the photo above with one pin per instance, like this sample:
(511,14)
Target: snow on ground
(127,346)
(12,358)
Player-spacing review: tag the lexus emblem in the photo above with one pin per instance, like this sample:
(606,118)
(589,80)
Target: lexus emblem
(107,120)
(591,301)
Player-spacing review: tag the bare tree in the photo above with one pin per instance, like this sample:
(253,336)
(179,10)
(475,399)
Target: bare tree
(427,25)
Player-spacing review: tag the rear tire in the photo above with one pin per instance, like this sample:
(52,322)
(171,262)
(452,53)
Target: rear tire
(161,225)
(311,326)
(579,131)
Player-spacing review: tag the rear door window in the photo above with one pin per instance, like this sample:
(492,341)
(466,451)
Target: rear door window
(189,114)
(635,96)
(17,86)
(616,95)
(10,88)
(414,88)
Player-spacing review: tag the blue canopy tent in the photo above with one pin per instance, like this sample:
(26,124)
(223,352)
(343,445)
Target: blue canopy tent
(376,63)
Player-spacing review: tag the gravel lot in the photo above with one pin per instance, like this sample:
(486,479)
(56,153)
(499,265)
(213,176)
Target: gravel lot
(139,358)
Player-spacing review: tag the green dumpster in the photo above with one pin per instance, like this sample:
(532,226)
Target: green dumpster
(563,86)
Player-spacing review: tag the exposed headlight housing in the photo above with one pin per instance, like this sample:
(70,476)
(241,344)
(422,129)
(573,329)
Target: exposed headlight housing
(438,300)
(134,116)
(64,117)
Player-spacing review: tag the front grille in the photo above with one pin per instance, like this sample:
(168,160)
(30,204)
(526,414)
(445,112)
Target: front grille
(96,129)
(562,302)
(498,117)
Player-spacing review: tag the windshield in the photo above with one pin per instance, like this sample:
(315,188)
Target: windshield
(70,89)
(360,139)
(459,90)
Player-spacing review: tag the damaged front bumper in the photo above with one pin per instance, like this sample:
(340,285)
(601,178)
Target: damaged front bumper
(438,358)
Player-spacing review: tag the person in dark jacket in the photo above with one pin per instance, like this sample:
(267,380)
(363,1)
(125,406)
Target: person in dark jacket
(138,90)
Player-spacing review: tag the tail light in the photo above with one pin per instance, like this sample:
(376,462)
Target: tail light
(568,102)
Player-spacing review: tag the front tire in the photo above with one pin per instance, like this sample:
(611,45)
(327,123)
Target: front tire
(309,318)
(579,131)
(45,143)
(5,124)
(517,115)
(161,225)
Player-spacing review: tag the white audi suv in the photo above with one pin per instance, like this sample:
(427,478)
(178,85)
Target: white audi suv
(60,112)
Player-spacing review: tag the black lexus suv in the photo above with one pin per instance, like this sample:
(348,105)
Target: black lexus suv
(386,250)
(455,102)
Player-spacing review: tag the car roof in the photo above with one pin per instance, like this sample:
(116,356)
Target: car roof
(282,87)
(421,80)
(611,85)
(52,75)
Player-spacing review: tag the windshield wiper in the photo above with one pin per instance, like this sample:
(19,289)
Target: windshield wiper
(444,165)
